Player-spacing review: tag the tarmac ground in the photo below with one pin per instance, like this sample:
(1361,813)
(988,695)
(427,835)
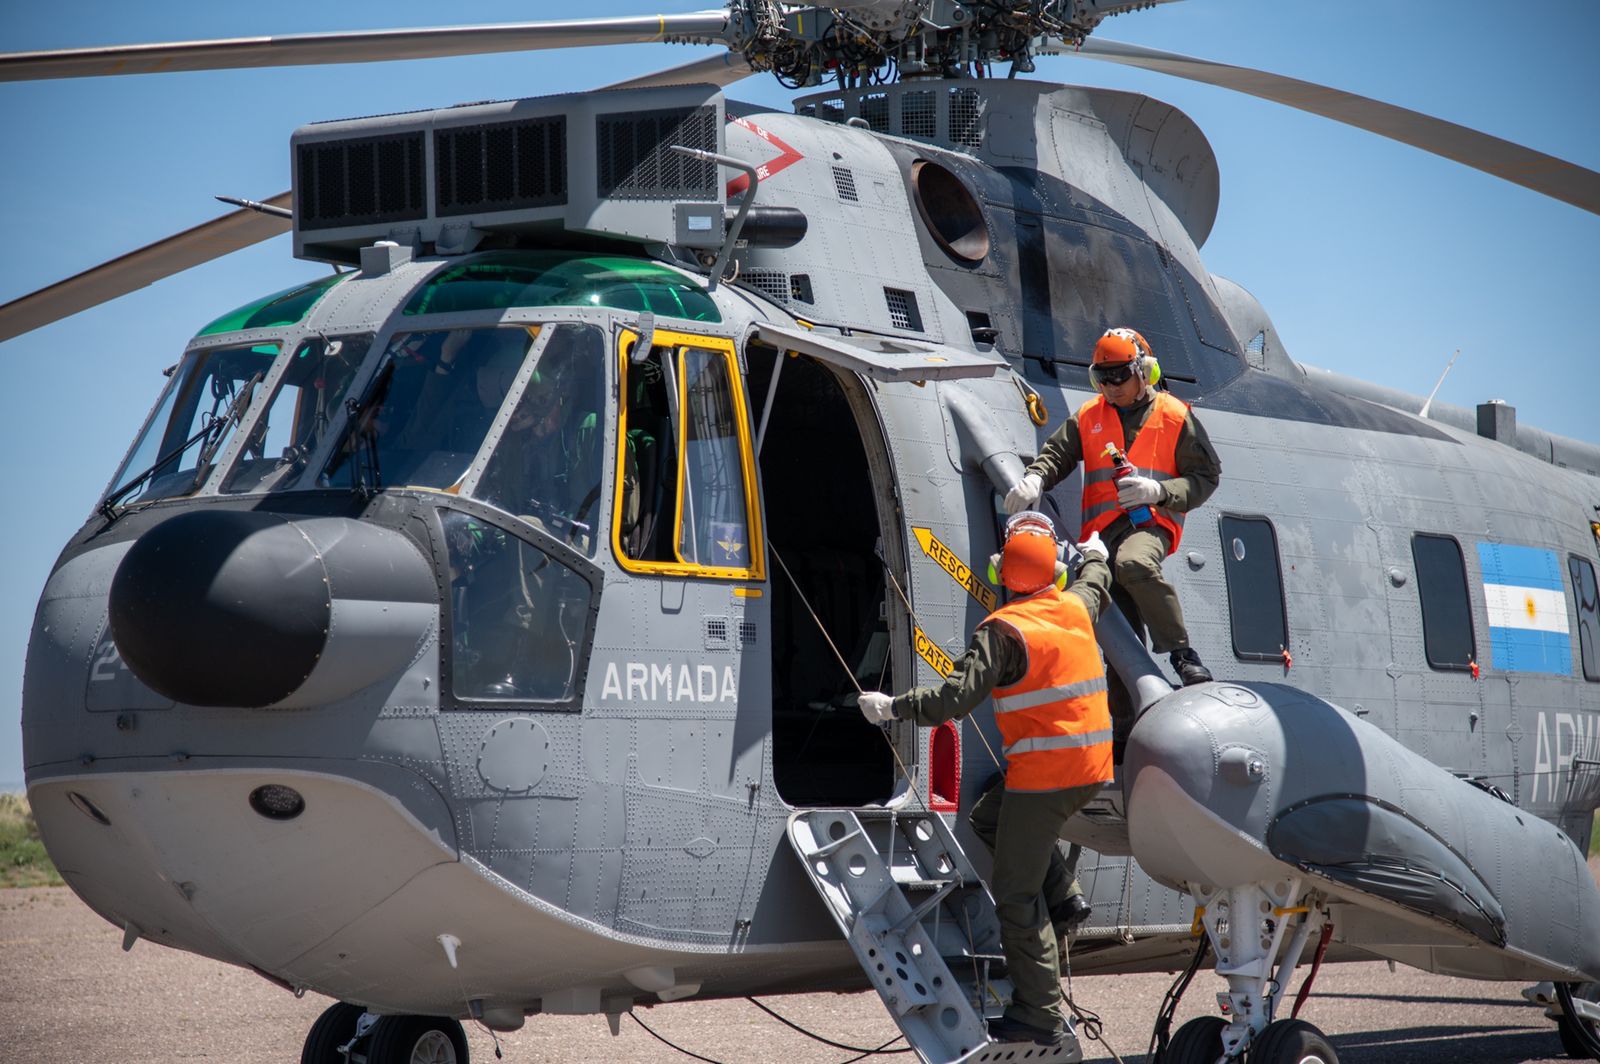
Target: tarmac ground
(68,993)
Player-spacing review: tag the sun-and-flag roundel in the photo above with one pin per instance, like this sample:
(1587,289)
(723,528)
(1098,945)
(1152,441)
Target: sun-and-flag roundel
(1528,627)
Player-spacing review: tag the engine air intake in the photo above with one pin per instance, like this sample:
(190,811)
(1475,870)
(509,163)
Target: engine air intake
(500,166)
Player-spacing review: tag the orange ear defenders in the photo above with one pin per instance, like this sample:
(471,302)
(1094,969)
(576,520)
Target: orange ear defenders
(1027,561)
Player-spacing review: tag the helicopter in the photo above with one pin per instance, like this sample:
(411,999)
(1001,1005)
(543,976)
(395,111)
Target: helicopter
(944,603)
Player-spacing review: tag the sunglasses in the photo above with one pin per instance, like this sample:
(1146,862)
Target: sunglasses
(1112,375)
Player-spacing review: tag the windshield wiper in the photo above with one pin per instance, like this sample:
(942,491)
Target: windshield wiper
(212,432)
(208,450)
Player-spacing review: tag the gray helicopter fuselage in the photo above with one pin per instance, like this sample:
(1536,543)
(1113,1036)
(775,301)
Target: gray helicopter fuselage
(621,835)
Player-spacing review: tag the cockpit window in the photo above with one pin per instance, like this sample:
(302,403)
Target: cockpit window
(292,426)
(498,280)
(206,397)
(547,464)
(428,407)
(287,307)
(518,617)
(685,501)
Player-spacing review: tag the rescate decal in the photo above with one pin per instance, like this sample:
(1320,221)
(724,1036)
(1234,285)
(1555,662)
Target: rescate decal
(959,570)
(931,652)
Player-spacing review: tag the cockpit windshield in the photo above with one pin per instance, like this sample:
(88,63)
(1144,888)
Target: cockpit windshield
(547,464)
(206,397)
(429,407)
(307,401)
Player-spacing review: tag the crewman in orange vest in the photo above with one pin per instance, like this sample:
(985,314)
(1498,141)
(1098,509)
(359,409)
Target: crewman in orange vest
(1038,657)
(1176,470)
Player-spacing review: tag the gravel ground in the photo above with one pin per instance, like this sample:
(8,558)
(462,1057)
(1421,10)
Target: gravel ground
(68,993)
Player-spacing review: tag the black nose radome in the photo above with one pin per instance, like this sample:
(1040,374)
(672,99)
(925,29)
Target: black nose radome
(222,608)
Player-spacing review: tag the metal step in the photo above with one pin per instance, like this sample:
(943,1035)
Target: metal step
(923,926)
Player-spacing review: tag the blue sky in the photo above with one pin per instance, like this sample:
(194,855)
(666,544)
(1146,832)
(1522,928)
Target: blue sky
(1373,259)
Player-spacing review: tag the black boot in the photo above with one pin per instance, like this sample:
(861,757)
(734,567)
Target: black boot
(1006,1029)
(1186,663)
(1066,917)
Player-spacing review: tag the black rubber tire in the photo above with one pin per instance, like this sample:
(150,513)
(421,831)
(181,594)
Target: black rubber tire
(1579,1037)
(335,1027)
(412,1040)
(1197,1042)
(1291,1042)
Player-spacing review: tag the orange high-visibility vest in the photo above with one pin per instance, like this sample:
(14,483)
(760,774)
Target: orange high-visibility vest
(1153,454)
(1055,722)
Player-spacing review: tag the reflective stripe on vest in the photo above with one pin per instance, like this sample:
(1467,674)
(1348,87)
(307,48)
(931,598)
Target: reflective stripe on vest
(1049,694)
(1058,742)
(1054,722)
(1153,454)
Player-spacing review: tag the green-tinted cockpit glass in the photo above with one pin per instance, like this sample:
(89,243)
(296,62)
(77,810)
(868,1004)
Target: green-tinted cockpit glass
(501,279)
(281,308)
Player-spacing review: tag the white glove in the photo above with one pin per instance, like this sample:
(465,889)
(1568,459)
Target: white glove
(875,706)
(1139,491)
(1025,495)
(1093,547)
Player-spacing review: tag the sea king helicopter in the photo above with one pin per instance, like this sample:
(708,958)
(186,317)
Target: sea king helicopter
(474,632)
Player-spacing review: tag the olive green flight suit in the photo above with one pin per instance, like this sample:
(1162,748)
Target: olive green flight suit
(1141,591)
(1030,876)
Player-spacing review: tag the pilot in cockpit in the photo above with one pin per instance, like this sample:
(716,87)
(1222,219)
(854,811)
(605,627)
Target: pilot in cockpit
(546,466)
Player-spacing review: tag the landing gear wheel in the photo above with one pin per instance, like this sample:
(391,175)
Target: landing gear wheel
(335,1027)
(1579,1037)
(417,1040)
(1291,1042)
(1197,1042)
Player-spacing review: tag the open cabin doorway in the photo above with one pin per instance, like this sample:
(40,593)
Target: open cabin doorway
(822,523)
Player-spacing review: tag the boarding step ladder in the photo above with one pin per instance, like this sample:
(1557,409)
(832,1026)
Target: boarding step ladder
(923,926)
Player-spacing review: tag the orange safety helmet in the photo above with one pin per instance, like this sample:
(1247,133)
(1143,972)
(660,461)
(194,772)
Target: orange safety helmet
(1028,558)
(1124,347)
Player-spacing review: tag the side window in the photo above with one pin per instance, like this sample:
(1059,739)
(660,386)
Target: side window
(518,617)
(715,528)
(685,502)
(1255,588)
(1446,608)
(1583,585)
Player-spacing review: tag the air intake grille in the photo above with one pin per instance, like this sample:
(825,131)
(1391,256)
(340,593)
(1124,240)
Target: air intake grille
(774,284)
(844,182)
(635,160)
(359,182)
(903,309)
(917,117)
(875,110)
(964,130)
(831,110)
(501,167)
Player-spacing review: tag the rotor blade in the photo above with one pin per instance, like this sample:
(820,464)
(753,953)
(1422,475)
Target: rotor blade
(1531,169)
(720,70)
(239,229)
(137,269)
(360,46)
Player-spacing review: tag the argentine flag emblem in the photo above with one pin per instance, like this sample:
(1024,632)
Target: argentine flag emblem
(1528,630)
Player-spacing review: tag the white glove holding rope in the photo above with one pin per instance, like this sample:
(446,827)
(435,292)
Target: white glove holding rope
(876,706)
(1139,491)
(1093,547)
(1025,494)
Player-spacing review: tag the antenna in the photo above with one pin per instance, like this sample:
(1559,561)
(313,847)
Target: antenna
(1428,402)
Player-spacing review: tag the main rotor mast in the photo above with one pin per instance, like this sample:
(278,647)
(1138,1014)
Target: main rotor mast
(872,41)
